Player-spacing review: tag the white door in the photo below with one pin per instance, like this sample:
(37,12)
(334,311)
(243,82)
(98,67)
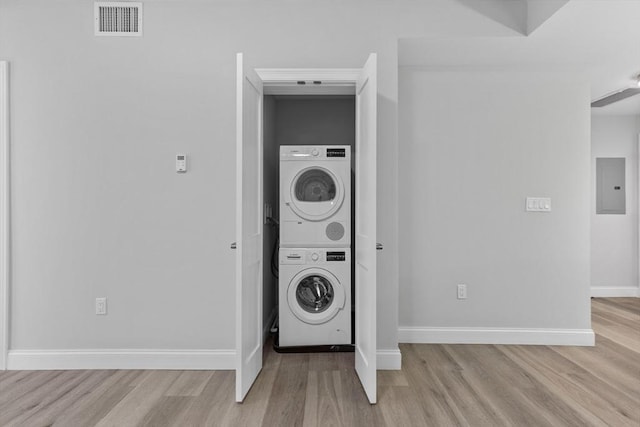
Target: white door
(248,228)
(365,262)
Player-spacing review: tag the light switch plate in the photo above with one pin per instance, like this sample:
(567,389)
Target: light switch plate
(462,291)
(101,306)
(538,204)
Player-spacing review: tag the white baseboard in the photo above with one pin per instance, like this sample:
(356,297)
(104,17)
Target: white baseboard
(32,360)
(615,291)
(121,359)
(515,336)
(389,360)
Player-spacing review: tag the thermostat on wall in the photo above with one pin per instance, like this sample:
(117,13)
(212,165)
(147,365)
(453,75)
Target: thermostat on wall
(181,163)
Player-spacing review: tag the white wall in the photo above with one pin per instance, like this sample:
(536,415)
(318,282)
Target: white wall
(614,238)
(474,143)
(97,207)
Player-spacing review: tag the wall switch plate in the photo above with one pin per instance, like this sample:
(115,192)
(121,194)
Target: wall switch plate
(462,291)
(538,204)
(101,306)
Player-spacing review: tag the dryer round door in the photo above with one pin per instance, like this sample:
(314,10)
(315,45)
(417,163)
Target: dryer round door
(316,193)
(315,296)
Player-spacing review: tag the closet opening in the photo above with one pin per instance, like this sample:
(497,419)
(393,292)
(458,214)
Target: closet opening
(306,120)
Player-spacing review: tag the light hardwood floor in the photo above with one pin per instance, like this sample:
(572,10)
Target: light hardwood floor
(439,385)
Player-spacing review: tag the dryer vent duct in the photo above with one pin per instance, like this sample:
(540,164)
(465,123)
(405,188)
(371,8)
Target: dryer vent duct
(118,18)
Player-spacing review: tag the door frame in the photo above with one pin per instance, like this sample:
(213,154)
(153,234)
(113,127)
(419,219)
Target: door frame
(338,80)
(5,209)
(284,81)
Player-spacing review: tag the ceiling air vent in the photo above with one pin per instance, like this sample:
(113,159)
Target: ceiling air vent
(118,18)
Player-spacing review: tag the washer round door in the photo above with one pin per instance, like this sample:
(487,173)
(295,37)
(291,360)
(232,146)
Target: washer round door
(316,193)
(315,296)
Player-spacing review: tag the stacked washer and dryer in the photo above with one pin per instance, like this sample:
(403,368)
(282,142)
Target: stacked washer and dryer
(315,246)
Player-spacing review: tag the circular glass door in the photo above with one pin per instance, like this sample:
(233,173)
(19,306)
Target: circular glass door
(315,296)
(315,185)
(316,193)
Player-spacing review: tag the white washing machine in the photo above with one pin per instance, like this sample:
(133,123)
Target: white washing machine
(315,196)
(314,296)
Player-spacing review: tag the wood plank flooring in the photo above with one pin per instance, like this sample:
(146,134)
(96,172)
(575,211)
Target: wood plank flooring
(439,385)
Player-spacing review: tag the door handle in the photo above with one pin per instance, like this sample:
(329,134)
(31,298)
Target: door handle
(379,246)
(233,245)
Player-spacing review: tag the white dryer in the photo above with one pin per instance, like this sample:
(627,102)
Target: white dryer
(314,296)
(315,196)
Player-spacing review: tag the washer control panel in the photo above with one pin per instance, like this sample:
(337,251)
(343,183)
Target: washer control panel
(311,256)
(336,256)
(292,256)
(336,152)
(318,152)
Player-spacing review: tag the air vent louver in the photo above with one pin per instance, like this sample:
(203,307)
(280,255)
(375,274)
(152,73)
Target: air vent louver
(118,19)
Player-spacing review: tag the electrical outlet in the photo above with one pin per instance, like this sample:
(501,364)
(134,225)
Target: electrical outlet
(101,306)
(462,291)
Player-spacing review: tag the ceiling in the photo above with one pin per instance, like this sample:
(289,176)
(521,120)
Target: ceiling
(597,39)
